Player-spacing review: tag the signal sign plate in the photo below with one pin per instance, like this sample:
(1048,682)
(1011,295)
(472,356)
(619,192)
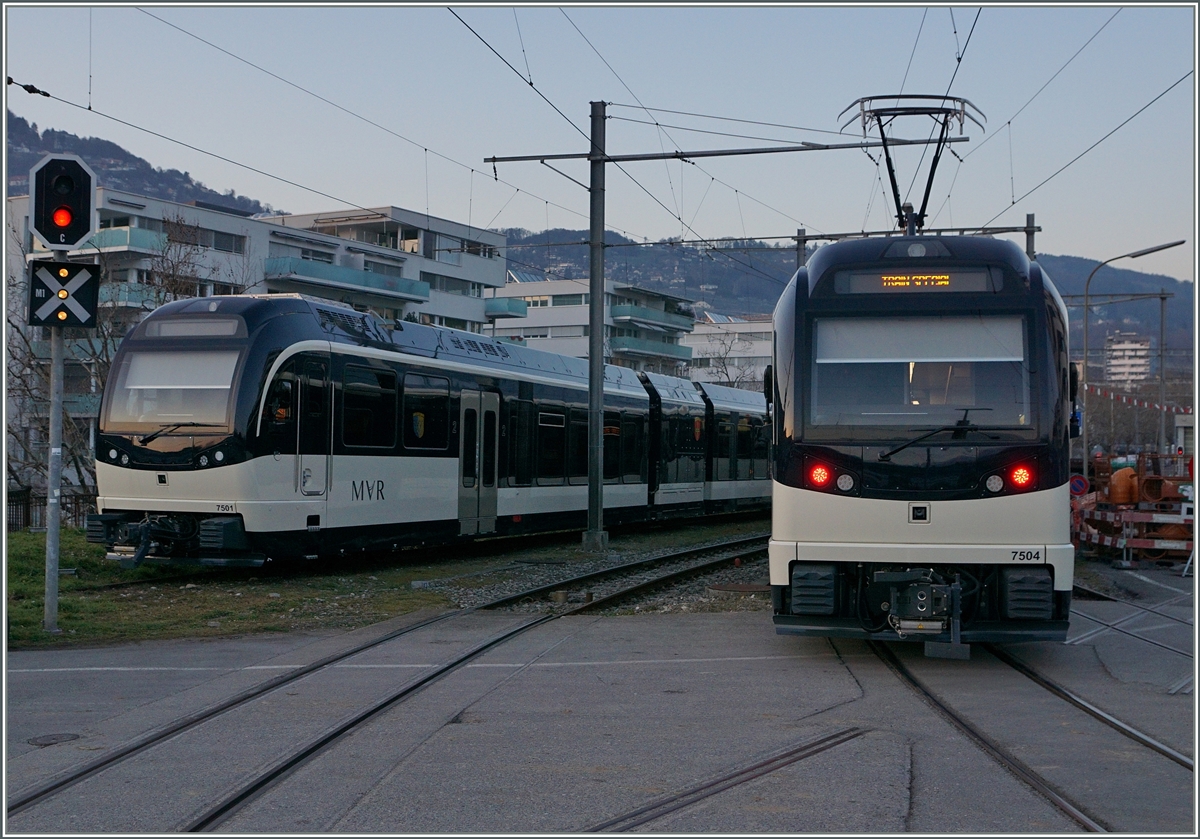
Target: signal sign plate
(63,294)
(1079,485)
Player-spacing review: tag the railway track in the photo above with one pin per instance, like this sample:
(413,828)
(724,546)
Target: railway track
(1076,811)
(651,572)
(1140,610)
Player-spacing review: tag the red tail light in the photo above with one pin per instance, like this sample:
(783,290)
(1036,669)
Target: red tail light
(1021,477)
(820,475)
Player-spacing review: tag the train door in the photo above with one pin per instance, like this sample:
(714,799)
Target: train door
(314,431)
(479,421)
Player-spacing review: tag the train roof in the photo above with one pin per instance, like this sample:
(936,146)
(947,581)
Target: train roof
(733,398)
(671,389)
(973,249)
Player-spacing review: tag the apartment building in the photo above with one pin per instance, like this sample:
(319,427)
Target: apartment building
(643,329)
(1126,358)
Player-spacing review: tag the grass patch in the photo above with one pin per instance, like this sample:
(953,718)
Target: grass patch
(104,604)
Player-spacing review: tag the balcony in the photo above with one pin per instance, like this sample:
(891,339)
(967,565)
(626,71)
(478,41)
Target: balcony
(657,349)
(505,307)
(132,295)
(131,238)
(323,275)
(651,317)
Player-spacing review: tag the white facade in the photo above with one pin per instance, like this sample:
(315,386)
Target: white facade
(730,350)
(1126,358)
(644,329)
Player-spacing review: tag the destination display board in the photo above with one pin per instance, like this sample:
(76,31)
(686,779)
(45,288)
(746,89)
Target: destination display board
(914,280)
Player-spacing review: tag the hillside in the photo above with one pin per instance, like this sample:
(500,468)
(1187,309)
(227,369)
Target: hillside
(114,167)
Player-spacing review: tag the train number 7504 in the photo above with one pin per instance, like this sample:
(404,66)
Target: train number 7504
(1027,556)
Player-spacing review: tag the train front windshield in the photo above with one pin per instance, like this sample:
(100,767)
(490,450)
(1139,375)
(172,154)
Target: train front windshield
(178,371)
(918,372)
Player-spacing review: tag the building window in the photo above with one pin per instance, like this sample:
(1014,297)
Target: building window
(316,256)
(228,242)
(537,302)
(449,250)
(570,299)
(383,268)
(410,240)
(480,249)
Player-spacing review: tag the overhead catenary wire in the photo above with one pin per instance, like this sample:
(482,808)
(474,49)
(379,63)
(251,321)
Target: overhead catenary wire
(620,168)
(987,139)
(1070,162)
(354,114)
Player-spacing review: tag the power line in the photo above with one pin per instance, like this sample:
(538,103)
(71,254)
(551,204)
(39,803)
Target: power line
(1089,148)
(354,114)
(726,119)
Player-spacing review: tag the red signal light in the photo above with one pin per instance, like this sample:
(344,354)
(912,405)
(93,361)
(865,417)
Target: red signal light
(1021,476)
(820,475)
(62,217)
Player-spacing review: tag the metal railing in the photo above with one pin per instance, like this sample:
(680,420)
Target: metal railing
(26,511)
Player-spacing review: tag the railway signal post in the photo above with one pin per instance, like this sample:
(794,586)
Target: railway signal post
(61,294)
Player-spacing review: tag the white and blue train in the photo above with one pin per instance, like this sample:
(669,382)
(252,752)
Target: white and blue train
(923,412)
(236,430)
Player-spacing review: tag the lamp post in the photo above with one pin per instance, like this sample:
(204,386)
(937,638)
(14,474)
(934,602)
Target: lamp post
(1086,286)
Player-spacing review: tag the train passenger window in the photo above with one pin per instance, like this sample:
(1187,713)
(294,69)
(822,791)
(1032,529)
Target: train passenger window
(577,459)
(368,407)
(745,449)
(551,448)
(426,412)
(633,447)
(762,448)
(612,446)
(723,453)
(520,443)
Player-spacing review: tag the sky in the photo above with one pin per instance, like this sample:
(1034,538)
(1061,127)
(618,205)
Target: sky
(316,108)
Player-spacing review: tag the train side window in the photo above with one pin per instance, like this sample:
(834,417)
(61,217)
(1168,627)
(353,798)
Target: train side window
(577,451)
(722,456)
(426,412)
(279,412)
(551,448)
(762,447)
(520,443)
(368,407)
(314,409)
(612,446)
(633,447)
(469,446)
(489,448)
(745,449)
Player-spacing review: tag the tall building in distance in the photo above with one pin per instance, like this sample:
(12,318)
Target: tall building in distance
(1126,358)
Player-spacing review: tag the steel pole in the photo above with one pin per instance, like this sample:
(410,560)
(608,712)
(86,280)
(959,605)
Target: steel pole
(1162,371)
(54,481)
(595,539)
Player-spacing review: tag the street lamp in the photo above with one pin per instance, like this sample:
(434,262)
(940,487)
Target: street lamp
(1086,285)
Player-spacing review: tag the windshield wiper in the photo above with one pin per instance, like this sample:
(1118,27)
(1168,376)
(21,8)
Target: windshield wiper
(173,426)
(960,430)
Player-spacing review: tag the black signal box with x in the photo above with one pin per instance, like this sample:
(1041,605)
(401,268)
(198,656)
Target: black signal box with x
(63,294)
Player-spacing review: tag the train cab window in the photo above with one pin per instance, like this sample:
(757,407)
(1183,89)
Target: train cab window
(279,410)
(167,387)
(920,371)
(551,448)
(633,449)
(368,407)
(577,460)
(612,446)
(426,412)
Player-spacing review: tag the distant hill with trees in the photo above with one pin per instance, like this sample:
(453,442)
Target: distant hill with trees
(114,167)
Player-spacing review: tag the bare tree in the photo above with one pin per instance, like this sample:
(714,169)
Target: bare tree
(723,351)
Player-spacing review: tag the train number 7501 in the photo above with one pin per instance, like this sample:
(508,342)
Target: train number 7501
(1027,556)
